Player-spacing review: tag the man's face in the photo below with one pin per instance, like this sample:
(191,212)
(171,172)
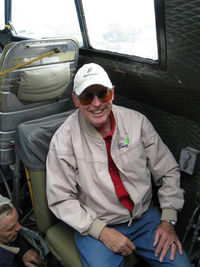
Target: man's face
(9,227)
(97,113)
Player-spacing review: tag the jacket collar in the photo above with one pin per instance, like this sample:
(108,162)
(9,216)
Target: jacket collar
(14,250)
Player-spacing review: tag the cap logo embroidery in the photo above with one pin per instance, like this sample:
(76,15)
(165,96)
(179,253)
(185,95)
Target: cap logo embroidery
(89,72)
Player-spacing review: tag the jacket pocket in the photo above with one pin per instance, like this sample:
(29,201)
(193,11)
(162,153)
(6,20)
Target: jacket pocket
(132,163)
(132,156)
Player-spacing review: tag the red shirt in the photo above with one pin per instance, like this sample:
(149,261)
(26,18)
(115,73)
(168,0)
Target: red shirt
(121,192)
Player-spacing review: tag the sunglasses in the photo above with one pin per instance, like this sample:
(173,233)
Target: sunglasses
(104,95)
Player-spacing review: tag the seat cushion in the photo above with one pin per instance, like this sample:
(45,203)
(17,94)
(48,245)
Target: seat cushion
(60,240)
(44,217)
(132,260)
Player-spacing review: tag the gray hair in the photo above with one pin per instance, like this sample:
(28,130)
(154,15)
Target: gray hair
(6,207)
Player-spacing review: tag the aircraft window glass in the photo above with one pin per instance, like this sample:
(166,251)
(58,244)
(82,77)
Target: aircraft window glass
(126,27)
(2,15)
(46,18)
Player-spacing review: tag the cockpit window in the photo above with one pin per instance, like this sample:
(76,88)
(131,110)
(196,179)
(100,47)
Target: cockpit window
(126,27)
(2,15)
(46,18)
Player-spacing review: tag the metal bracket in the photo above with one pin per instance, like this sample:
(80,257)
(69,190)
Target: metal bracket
(188,159)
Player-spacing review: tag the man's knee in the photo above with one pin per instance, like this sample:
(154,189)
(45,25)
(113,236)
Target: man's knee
(94,253)
(179,261)
(182,260)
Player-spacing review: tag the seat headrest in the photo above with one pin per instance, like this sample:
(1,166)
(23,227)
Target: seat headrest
(33,137)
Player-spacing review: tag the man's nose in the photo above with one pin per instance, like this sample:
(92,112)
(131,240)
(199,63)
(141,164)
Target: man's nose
(96,101)
(18,227)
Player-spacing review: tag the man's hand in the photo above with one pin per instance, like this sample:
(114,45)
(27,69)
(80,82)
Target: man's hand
(31,258)
(165,239)
(116,242)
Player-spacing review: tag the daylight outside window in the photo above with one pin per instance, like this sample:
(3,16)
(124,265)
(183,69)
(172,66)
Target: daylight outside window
(2,15)
(46,18)
(126,27)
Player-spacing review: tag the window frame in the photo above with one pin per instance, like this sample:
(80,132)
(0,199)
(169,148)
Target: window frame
(8,11)
(16,36)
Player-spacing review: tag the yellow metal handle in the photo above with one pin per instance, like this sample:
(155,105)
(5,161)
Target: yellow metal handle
(30,186)
(56,50)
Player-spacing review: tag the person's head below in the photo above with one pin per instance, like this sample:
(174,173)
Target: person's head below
(93,94)
(9,225)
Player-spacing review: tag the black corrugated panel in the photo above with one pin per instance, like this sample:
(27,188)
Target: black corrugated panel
(183,41)
(177,133)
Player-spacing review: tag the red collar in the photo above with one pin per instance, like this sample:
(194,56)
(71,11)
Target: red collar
(112,123)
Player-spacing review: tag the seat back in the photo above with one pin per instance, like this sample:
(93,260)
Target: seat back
(40,88)
(32,143)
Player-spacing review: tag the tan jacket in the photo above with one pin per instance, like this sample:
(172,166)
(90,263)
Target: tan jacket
(80,191)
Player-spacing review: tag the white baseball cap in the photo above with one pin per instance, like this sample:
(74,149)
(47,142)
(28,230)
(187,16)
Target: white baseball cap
(88,75)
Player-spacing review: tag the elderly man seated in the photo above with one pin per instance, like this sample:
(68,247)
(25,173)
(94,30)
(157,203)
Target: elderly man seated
(14,249)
